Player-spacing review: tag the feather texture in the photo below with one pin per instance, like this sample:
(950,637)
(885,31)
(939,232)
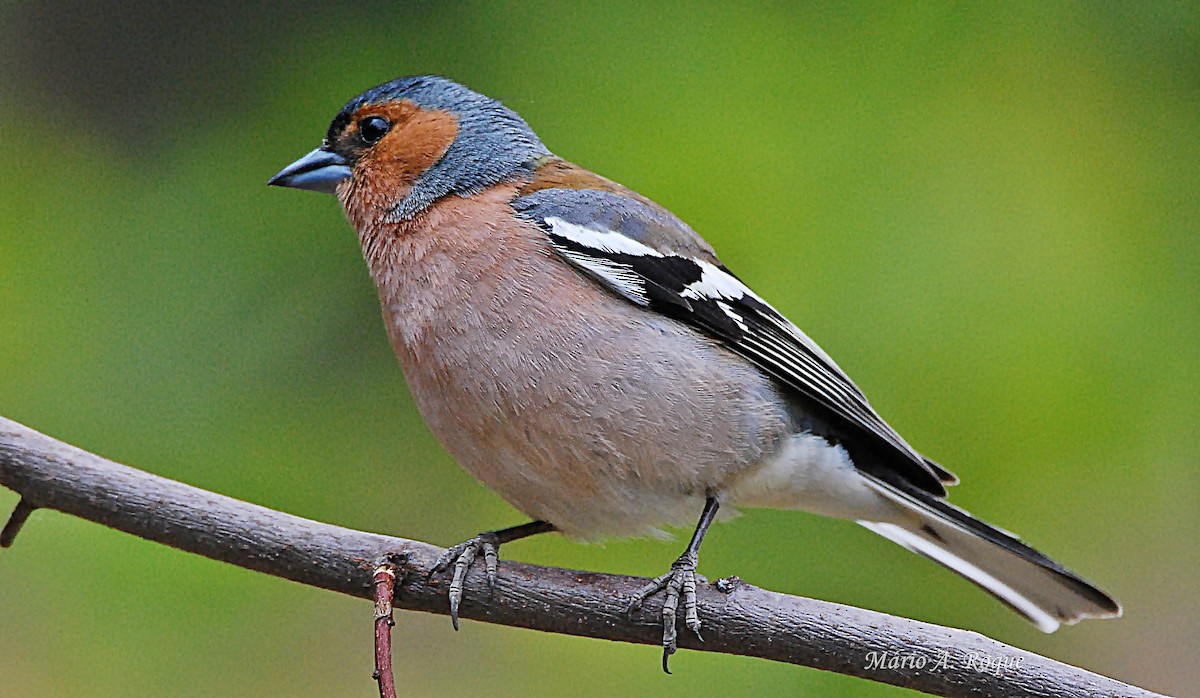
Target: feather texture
(630,250)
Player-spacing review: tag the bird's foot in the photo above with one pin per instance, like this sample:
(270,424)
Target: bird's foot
(461,557)
(487,544)
(679,581)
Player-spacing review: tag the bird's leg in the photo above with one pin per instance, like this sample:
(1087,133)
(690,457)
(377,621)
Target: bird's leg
(487,543)
(680,580)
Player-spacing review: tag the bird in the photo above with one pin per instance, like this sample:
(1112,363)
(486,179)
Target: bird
(585,354)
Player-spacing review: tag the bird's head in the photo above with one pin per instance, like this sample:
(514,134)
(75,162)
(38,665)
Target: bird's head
(395,149)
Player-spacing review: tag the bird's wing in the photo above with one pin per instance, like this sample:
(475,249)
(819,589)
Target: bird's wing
(646,255)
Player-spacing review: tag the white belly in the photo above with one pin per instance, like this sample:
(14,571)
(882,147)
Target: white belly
(809,474)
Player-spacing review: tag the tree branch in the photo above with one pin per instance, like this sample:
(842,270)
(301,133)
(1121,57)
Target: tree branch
(738,618)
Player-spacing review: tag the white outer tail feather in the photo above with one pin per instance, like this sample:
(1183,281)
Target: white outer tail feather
(929,548)
(1041,594)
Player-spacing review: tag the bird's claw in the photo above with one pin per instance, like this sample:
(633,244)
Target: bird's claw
(462,556)
(679,581)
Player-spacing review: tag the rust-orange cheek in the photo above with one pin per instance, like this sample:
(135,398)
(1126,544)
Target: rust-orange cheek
(418,138)
(385,172)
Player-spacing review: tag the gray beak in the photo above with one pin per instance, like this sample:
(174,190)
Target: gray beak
(320,170)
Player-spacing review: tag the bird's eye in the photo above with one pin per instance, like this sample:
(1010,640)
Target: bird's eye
(372,128)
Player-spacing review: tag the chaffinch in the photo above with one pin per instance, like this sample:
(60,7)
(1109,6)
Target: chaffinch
(586,355)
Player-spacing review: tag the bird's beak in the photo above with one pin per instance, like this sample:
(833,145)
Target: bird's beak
(320,170)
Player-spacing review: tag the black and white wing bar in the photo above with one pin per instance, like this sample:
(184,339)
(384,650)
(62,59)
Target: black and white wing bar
(712,299)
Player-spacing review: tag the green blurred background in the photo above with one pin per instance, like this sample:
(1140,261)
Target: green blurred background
(987,212)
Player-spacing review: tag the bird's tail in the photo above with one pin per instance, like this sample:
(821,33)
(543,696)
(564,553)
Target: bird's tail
(1033,585)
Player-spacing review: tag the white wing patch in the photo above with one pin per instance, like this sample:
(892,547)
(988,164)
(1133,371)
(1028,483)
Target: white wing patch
(606,241)
(621,277)
(715,283)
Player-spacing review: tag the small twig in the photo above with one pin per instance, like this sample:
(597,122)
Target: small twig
(384,582)
(19,516)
